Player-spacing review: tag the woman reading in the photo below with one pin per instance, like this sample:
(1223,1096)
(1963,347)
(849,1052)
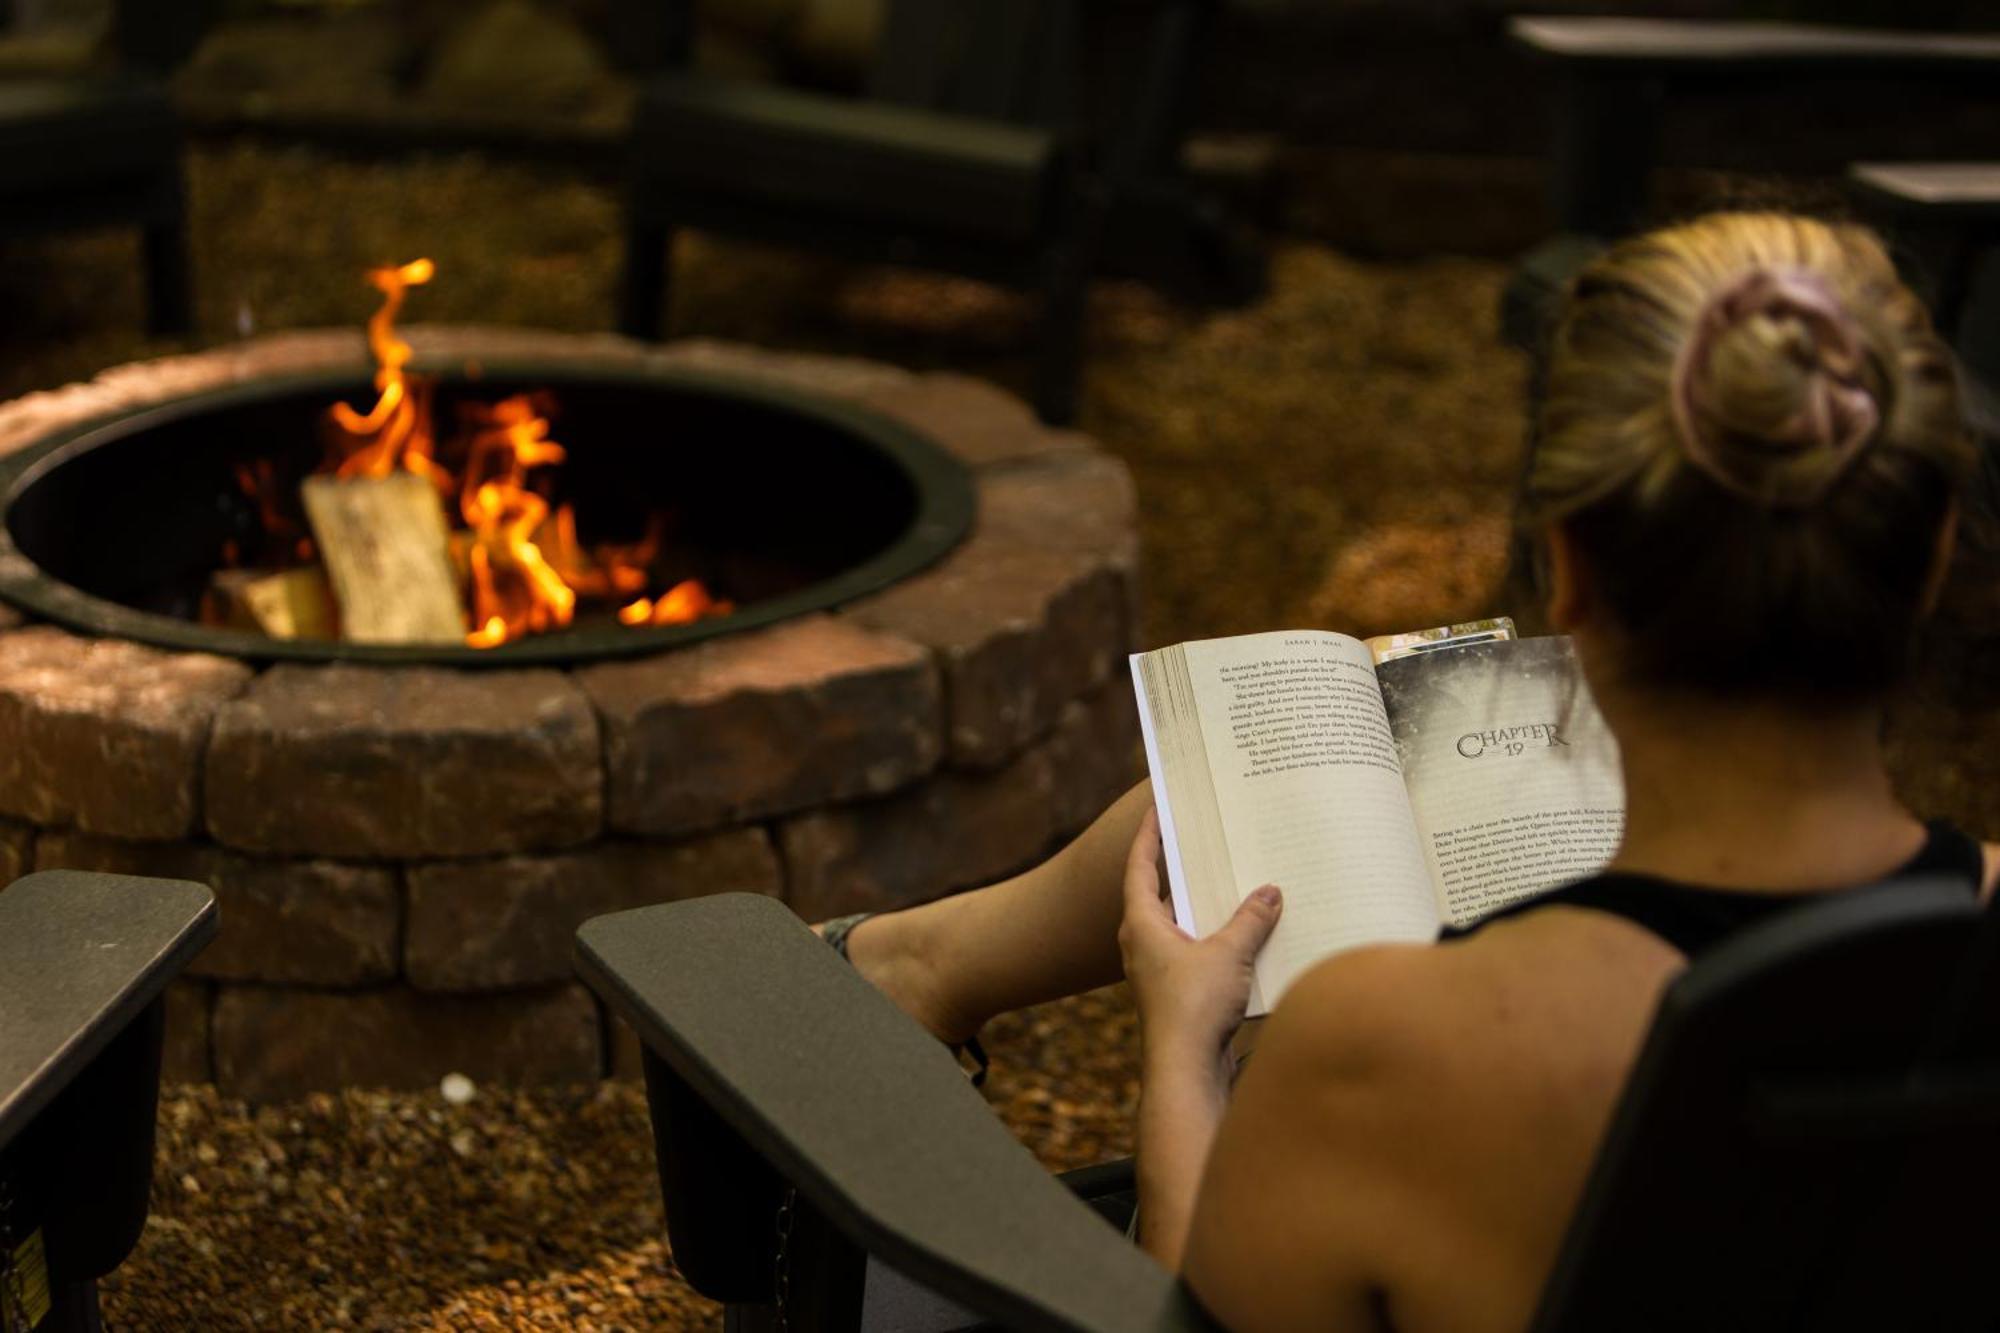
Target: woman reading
(1743,492)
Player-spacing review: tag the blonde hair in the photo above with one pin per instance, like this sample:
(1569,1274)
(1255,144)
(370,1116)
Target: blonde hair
(1752,434)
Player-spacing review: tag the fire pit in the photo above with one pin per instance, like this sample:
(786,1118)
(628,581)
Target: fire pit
(787,503)
(404,836)
(807,503)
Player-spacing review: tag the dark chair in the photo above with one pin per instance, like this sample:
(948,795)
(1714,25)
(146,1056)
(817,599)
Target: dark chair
(102,147)
(1943,220)
(84,960)
(1810,1139)
(971,154)
(1617,79)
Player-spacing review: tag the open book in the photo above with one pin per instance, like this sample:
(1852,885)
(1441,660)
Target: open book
(1388,787)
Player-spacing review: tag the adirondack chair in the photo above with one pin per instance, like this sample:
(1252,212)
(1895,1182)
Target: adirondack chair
(1810,1139)
(84,960)
(103,148)
(970,154)
(1617,79)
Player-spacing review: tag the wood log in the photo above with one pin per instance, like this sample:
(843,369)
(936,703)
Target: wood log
(222,601)
(297,604)
(290,604)
(386,546)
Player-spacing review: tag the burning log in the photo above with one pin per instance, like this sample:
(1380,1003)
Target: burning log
(292,604)
(387,550)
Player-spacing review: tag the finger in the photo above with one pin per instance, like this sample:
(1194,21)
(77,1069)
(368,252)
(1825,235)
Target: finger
(1142,869)
(1252,922)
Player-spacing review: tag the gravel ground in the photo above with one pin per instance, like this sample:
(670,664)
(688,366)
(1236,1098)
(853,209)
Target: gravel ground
(373,1210)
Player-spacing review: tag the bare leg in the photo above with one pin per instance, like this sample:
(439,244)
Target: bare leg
(1046,933)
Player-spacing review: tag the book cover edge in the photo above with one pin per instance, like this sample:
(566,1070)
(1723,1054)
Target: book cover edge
(1156,776)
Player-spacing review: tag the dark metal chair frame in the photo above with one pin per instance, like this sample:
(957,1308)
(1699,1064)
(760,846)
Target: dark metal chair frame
(1807,1140)
(1950,237)
(1617,79)
(104,149)
(1942,222)
(973,153)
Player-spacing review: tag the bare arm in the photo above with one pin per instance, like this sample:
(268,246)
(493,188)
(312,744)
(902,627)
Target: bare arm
(1046,933)
(1050,931)
(1295,1193)
(1191,995)
(1180,1109)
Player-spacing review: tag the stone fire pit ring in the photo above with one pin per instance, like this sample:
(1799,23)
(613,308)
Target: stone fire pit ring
(401,852)
(929,500)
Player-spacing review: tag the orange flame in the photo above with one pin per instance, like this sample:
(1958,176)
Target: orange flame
(524,565)
(397,430)
(607,571)
(515,590)
(681,604)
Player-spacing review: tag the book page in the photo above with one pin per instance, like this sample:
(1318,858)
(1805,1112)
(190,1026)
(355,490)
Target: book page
(1308,785)
(1512,774)
(1195,844)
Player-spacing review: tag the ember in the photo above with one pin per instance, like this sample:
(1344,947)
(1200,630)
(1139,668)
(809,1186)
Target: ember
(515,567)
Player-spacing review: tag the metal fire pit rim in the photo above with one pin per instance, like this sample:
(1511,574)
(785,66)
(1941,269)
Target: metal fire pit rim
(945,507)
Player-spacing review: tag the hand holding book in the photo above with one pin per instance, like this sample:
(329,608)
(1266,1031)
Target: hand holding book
(1191,993)
(1386,797)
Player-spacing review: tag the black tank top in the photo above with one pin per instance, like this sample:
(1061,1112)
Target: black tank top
(1692,918)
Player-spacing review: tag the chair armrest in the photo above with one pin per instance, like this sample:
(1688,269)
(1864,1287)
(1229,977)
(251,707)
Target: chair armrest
(80,956)
(867,1116)
(715,108)
(1675,46)
(1939,191)
(698,136)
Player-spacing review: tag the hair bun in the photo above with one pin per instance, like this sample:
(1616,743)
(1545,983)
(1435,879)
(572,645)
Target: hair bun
(1769,394)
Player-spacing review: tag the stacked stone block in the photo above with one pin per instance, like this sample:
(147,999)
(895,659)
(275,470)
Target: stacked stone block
(401,854)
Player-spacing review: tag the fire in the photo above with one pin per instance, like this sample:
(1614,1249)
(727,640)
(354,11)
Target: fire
(515,590)
(284,536)
(524,567)
(398,426)
(685,601)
